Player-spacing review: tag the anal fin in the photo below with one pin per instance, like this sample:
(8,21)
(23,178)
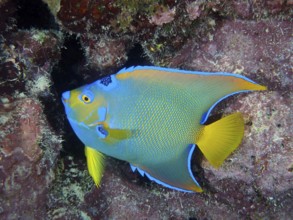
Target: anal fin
(175,174)
(95,164)
(219,139)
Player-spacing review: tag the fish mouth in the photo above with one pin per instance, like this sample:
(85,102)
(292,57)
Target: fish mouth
(68,110)
(65,100)
(65,97)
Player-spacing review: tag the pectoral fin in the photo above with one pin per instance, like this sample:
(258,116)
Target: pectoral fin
(119,134)
(110,135)
(95,164)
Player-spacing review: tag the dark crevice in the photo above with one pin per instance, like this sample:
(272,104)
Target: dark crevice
(136,57)
(66,76)
(34,14)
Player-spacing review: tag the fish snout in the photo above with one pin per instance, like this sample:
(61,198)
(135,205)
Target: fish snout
(65,100)
(65,96)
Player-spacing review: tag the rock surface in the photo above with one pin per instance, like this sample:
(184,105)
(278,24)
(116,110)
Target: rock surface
(78,41)
(28,155)
(29,146)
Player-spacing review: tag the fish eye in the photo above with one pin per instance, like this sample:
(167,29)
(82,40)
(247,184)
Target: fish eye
(87,97)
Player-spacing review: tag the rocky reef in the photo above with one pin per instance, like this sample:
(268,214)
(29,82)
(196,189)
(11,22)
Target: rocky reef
(50,46)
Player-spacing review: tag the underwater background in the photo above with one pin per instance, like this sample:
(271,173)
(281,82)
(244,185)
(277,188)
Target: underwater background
(51,46)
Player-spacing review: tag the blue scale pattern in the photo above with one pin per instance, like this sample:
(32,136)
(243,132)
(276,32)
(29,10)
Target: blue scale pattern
(106,80)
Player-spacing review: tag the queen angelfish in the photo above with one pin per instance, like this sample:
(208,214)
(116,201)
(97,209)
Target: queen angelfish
(154,118)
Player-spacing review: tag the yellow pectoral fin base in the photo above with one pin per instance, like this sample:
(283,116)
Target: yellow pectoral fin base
(111,136)
(219,139)
(119,134)
(95,164)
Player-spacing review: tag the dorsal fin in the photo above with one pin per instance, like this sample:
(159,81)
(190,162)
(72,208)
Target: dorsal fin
(174,70)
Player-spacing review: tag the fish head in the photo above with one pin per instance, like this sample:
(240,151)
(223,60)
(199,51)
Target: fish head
(84,105)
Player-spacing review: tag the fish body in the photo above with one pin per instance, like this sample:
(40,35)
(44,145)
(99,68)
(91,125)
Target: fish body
(154,118)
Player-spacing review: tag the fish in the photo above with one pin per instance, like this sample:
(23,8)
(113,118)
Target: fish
(154,118)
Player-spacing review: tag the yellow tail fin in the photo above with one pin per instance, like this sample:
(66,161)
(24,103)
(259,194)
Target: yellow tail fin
(95,164)
(219,139)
